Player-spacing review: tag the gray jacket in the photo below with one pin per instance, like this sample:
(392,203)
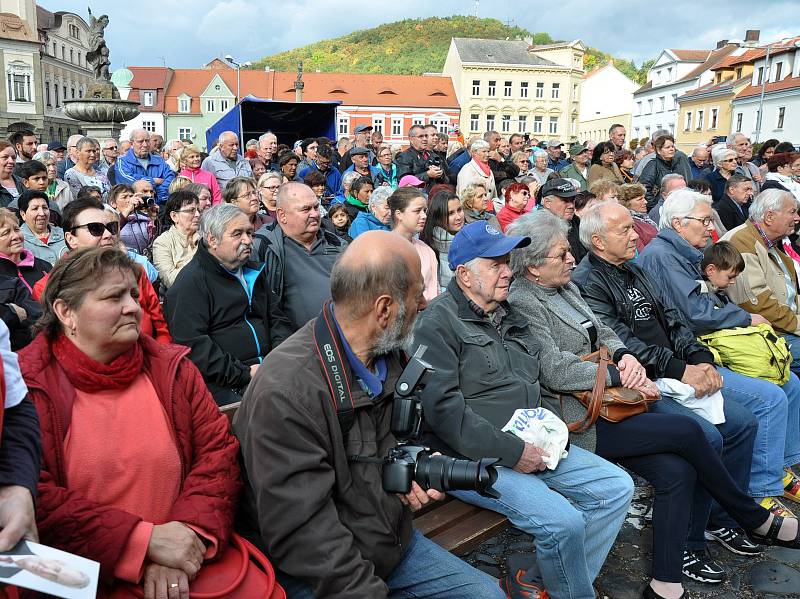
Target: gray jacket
(222,169)
(50,251)
(482,375)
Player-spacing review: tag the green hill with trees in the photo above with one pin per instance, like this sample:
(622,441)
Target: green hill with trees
(416,46)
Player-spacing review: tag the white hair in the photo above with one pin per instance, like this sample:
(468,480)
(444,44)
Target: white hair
(593,223)
(720,152)
(222,135)
(478,145)
(215,220)
(379,195)
(544,229)
(266,136)
(680,204)
(730,141)
(134,132)
(769,200)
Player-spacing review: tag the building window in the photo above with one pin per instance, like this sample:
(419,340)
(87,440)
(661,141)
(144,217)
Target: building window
(19,83)
(149,126)
(553,125)
(555,91)
(674,105)
(148,98)
(700,118)
(397,127)
(211,105)
(636,132)
(55,95)
(760,75)
(71,55)
(672,129)
(778,67)
(756,124)
(47,93)
(781,115)
(540,90)
(418,120)
(638,108)
(474,122)
(714,117)
(505,123)
(344,125)
(739,121)
(688,124)
(650,106)
(79,59)
(377,123)
(476,87)
(522,124)
(492,88)
(223,105)
(72,91)
(537,124)
(185,133)
(442,125)
(184,104)
(669,73)
(490,122)
(64,92)
(55,49)
(523,89)
(661,104)
(80,92)
(507,89)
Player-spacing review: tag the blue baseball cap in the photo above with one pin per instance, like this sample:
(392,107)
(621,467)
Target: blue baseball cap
(481,240)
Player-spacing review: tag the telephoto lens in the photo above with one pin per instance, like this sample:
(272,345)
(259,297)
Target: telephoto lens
(444,473)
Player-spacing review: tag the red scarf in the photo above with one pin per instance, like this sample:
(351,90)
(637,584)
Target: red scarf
(484,167)
(91,376)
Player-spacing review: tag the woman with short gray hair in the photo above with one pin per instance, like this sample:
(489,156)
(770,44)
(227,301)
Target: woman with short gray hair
(724,160)
(668,450)
(83,174)
(477,170)
(57,191)
(377,215)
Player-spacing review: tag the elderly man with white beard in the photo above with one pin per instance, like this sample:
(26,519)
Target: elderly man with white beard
(221,306)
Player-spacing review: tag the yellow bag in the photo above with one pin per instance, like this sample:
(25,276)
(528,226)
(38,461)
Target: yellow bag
(755,351)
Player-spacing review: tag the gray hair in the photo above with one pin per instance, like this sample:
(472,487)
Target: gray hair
(730,141)
(222,136)
(478,144)
(354,287)
(215,220)
(680,204)
(266,136)
(106,140)
(593,223)
(720,152)
(196,188)
(135,131)
(232,187)
(544,229)
(698,148)
(769,200)
(86,140)
(659,133)
(348,178)
(380,195)
(74,138)
(44,156)
(670,177)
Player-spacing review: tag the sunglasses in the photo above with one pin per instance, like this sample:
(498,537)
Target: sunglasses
(96,229)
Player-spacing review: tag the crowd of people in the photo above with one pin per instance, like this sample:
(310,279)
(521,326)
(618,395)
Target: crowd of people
(145,285)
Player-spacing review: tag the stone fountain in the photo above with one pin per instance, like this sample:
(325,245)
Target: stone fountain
(101,110)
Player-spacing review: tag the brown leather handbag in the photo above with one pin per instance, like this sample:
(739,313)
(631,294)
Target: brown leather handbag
(613,404)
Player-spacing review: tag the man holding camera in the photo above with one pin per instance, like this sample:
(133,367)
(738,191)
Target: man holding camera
(486,366)
(324,519)
(425,165)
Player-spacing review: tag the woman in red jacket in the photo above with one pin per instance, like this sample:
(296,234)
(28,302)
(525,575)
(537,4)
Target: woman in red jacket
(139,470)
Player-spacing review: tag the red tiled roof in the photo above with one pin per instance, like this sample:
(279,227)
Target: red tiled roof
(361,89)
(748,55)
(729,85)
(155,78)
(754,90)
(713,59)
(691,55)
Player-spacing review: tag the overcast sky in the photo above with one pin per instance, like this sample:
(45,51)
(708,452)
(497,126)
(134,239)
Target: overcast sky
(188,33)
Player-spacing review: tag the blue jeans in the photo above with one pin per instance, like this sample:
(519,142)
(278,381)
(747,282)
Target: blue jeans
(794,347)
(777,443)
(426,570)
(573,512)
(733,441)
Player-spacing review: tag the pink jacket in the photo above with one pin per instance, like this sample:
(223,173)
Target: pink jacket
(200,176)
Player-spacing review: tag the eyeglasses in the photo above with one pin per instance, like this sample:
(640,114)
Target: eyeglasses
(706,221)
(248,194)
(562,256)
(271,187)
(189,211)
(96,229)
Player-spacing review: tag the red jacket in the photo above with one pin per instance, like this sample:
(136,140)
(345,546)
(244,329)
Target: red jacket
(211,478)
(153,321)
(508,215)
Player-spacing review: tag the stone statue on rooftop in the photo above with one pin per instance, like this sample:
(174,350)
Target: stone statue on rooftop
(97,56)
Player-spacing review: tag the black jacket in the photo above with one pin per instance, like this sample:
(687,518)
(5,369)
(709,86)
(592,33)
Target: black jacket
(31,273)
(227,328)
(13,291)
(502,171)
(657,169)
(413,162)
(729,214)
(5,197)
(576,248)
(603,286)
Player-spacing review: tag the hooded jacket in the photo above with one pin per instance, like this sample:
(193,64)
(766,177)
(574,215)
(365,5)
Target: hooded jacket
(198,175)
(675,266)
(366,221)
(29,270)
(128,170)
(227,326)
(604,285)
(210,473)
(320,518)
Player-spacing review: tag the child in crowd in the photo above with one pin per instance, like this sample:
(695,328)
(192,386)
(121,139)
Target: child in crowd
(341,220)
(720,266)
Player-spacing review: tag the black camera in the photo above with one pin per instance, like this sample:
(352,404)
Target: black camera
(406,462)
(435,160)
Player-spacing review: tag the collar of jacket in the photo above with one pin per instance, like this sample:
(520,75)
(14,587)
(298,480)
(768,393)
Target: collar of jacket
(603,265)
(55,234)
(681,246)
(466,313)
(210,263)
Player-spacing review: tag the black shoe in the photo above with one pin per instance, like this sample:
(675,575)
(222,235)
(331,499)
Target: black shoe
(771,538)
(649,593)
(734,540)
(699,565)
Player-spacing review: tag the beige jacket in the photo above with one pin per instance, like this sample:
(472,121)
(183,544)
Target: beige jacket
(172,250)
(471,173)
(761,288)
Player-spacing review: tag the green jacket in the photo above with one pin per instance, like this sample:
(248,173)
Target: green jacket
(571,172)
(482,376)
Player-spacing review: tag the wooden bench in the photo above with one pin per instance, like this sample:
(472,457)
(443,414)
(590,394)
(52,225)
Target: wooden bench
(451,524)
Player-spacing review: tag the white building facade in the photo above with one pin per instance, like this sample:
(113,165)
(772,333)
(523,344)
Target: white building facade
(606,96)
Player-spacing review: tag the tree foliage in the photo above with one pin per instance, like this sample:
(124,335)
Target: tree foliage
(412,47)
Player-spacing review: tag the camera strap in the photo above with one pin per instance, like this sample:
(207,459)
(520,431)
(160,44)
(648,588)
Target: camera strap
(335,366)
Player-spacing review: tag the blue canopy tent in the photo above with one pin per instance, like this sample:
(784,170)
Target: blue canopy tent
(289,121)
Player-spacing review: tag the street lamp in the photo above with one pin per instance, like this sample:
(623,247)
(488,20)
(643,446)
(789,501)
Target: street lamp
(764,79)
(238,66)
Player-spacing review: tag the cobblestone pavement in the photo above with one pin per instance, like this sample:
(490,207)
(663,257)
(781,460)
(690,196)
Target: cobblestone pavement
(772,575)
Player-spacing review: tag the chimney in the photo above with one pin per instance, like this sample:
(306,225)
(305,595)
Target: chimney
(721,44)
(751,36)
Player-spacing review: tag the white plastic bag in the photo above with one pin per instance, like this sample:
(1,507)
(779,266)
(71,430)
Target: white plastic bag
(709,407)
(542,428)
